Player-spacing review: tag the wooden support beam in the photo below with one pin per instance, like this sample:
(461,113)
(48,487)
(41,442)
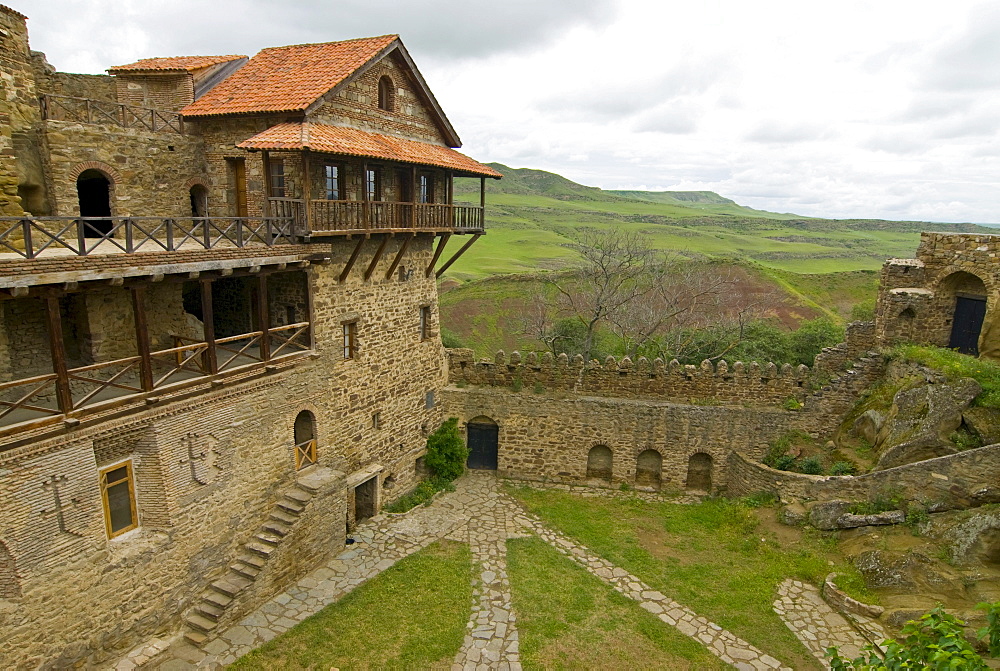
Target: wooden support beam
(377,257)
(211,360)
(307,188)
(458,254)
(142,336)
(414,196)
(64,397)
(351,261)
(366,208)
(437,254)
(263,317)
(399,256)
(482,192)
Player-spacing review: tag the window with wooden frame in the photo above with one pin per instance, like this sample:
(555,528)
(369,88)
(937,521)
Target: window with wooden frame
(373,183)
(385,91)
(276,177)
(118,497)
(425,322)
(350,340)
(331,181)
(425,184)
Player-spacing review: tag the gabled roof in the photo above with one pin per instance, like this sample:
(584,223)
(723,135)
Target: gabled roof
(355,142)
(173,64)
(294,78)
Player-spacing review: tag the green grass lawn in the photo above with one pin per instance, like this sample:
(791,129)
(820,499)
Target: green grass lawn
(412,616)
(715,557)
(569,619)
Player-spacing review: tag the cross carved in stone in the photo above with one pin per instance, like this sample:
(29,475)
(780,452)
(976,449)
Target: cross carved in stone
(58,507)
(202,457)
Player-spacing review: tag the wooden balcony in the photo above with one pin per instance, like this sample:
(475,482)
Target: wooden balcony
(340,217)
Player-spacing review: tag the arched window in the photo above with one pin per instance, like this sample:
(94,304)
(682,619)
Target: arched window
(699,477)
(93,189)
(599,463)
(385,94)
(647,469)
(199,201)
(305,440)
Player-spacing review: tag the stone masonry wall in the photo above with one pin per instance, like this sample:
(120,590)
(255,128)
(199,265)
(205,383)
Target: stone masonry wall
(48,80)
(19,111)
(208,468)
(962,480)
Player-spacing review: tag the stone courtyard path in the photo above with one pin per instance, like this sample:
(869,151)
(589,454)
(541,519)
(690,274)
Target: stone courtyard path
(477,513)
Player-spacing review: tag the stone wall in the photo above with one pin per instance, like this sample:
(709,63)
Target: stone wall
(356,105)
(19,111)
(962,480)
(48,80)
(208,468)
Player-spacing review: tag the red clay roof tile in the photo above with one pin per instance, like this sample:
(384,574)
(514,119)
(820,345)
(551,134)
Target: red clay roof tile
(354,142)
(287,79)
(173,63)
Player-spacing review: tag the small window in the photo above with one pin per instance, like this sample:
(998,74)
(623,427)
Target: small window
(118,497)
(350,340)
(376,420)
(373,183)
(385,94)
(276,168)
(331,181)
(429,400)
(425,322)
(426,185)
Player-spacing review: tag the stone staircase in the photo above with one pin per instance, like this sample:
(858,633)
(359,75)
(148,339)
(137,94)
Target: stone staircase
(202,620)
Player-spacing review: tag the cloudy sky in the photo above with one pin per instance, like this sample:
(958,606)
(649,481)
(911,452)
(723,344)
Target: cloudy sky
(874,108)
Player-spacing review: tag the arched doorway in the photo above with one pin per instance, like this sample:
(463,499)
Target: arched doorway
(969,310)
(599,463)
(199,201)
(483,435)
(93,189)
(648,466)
(305,439)
(904,325)
(699,477)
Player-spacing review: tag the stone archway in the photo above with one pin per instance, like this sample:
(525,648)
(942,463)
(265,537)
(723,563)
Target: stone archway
(304,431)
(599,463)
(965,296)
(648,469)
(93,191)
(699,475)
(484,444)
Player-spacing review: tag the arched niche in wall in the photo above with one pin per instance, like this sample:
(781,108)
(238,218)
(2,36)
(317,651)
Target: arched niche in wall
(305,439)
(10,585)
(648,467)
(600,463)
(699,474)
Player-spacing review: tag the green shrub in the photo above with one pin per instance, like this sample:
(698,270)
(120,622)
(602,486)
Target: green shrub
(955,365)
(785,462)
(518,384)
(863,311)
(446,451)
(843,468)
(791,403)
(422,493)
(992,628)
(965,439)
(761,499)
(450,339)
(811,466)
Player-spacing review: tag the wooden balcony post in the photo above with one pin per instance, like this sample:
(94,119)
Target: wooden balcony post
(482,192)
(307,190)
(142,336)
(414,196)
(263,317)
(64,396)
(366,206)
(208,317)
(451,200)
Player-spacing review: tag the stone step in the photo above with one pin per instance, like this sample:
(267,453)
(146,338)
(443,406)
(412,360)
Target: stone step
(277,528)
(299,495)
(209,611)
(195,637)
(231,585)
(245,570)
(284,517)
(254,560)
(269,538)
(216,598)
(306,485)
(262,549)
(291,506)
(200,623)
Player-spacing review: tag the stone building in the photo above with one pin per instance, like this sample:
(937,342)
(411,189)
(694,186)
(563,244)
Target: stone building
(218,327)
(946,296)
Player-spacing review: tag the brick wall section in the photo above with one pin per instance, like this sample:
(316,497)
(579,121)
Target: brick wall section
(955,481)
(161,91)
(87,598)
(356,105)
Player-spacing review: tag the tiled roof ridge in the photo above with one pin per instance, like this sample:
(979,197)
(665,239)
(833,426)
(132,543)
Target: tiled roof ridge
(394,36)
(13,11)
(179,63)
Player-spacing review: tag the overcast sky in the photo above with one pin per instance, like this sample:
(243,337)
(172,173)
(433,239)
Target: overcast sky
(874,108)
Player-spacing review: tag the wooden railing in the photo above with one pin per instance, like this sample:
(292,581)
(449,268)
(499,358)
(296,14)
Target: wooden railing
(351,216)
(305,454)
(87,110)
(30,237)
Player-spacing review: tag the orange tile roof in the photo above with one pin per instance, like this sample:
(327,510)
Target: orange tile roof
(354,142)
(175,63)
(288,79)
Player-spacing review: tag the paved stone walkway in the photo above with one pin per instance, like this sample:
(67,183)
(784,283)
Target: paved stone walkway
(816,624)
(478,514)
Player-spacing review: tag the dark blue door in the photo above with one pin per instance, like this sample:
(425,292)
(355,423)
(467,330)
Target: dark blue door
(483,439)
(969,314)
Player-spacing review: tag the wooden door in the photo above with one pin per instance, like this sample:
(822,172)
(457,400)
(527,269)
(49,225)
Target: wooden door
(483,446)
(238,180)
(968,322)
(365,500)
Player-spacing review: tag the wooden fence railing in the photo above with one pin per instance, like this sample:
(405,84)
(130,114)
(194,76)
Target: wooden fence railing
(30,237)
(87,110)
(348,216)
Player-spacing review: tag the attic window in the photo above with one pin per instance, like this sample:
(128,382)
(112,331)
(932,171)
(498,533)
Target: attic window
(385,93)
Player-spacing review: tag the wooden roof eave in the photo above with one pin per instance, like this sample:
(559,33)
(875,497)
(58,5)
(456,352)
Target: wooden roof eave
(444,125)
(302,150)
